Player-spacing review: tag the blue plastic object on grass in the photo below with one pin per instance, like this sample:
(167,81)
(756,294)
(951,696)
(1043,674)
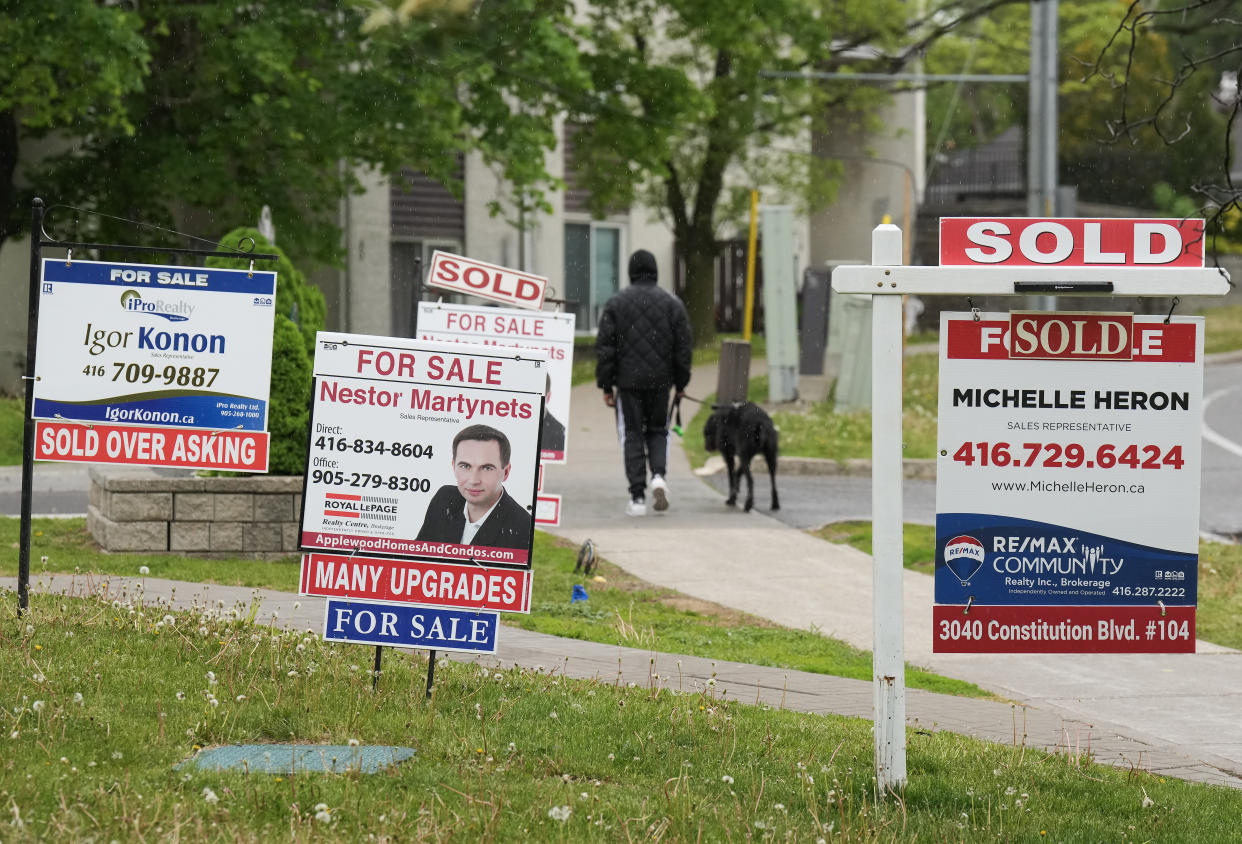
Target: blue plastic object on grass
(580,594)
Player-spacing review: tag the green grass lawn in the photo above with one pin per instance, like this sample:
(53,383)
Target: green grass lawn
(622,609)
(1223,329)
(11,411)
(103,699)
(819,431)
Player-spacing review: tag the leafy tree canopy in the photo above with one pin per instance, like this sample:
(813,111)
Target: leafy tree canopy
(684,117)
(275,102)
(1100,150)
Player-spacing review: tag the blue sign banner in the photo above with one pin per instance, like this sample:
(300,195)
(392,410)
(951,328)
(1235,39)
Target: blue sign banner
(1009,561)
(154,279)
(410,626)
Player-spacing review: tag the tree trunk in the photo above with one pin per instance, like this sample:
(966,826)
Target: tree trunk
(9,212)
(699,251)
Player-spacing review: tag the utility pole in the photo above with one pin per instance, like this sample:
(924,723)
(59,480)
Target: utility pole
(1041,135)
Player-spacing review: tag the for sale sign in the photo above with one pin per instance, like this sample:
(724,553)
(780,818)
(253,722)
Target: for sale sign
(421,449)
(550,333)
(154,345)
(488,281)
(409,626)
(1067,492)
(1070,242)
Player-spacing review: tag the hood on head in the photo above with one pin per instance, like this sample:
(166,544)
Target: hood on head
(643,267)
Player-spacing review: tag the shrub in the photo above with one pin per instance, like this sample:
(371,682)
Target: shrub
(299,315)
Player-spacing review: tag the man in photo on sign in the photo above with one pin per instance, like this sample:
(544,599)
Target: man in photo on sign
(477,510)
(553,438)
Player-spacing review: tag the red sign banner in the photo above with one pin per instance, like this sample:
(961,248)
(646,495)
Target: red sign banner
(140,445)
(1070,242)
(1063,629)
(488,281)
(415,582)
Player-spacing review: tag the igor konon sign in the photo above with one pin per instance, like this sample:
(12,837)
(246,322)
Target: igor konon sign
(153,365)
(1067,491)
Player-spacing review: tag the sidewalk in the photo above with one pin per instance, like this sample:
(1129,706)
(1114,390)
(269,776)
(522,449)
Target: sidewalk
(1171,714)
(1180,705)
(779,688)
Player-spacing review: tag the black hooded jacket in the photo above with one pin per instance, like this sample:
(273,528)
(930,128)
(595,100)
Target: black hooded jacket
(644,339)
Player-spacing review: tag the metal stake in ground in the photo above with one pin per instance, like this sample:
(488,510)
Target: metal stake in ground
(431,672)
(379,652)
(28,426)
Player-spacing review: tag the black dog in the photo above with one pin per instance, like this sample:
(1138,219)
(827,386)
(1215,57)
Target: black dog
(742,431)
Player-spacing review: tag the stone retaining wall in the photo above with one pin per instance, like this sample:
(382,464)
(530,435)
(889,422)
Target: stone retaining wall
(143,510)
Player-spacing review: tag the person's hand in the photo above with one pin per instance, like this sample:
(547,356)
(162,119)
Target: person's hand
(610,399)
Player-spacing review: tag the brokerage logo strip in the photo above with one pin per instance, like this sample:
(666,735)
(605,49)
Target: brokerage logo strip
(431,584)
(409,626)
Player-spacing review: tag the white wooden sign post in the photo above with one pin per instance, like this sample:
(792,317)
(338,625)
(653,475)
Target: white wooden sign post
(1003,257)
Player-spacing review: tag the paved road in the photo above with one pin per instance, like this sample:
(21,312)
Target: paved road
(1221,507)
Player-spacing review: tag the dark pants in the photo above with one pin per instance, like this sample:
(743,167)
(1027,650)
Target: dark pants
(642,425)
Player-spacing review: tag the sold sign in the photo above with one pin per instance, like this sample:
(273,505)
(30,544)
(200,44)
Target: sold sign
(1070,242)
(1077,335)
(488,281)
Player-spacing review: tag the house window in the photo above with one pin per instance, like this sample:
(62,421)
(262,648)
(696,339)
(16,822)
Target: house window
(404,269)
(592,269)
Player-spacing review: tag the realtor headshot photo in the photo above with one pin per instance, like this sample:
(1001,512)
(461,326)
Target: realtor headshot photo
(477,510)
(552,441)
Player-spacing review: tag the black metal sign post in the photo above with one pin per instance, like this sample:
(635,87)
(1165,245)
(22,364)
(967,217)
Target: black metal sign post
(38,240)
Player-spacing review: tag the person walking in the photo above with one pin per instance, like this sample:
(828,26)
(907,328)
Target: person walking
(642,350)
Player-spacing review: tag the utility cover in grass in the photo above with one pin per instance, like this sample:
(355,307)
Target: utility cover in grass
(298,758)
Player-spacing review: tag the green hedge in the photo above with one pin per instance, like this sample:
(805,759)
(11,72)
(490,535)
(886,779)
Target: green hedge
(300,311)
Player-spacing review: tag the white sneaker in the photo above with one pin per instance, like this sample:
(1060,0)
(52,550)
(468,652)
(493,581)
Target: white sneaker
(659,491)
(636,507)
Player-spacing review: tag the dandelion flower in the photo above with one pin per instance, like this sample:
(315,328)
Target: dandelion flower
(560,813)
(727,780)
(241,698)
(211,678)
(293,672)
(554,716)
(38,677)
(180,695)
(169,620)
(322,814)
(144,570)
(210,796)
(1147,801)
(353,742)
(14,735)
(116,754)
(512,747)
(37,706)
(77,698)
(29,629)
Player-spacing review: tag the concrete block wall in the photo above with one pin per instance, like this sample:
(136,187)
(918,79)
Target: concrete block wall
(140,510)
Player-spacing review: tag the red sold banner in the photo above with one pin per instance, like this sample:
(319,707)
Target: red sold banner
(137,445)
(1070,242)
(488,281)
(415,582)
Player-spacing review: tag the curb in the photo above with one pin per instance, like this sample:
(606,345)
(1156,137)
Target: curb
(853,467)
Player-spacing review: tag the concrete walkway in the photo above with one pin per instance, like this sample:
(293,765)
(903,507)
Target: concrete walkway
(1176,715)
(1180,705)
(780,688)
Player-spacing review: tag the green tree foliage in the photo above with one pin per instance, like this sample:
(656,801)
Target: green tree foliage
(67,67)
(682,118)
(299,315)
(276,102)
(1100,148)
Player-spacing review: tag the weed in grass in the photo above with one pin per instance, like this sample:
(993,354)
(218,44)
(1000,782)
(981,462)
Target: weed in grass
(101,718)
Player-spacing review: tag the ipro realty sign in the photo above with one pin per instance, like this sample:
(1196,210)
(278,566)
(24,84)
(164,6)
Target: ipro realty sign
(1067,491)
(151,365)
